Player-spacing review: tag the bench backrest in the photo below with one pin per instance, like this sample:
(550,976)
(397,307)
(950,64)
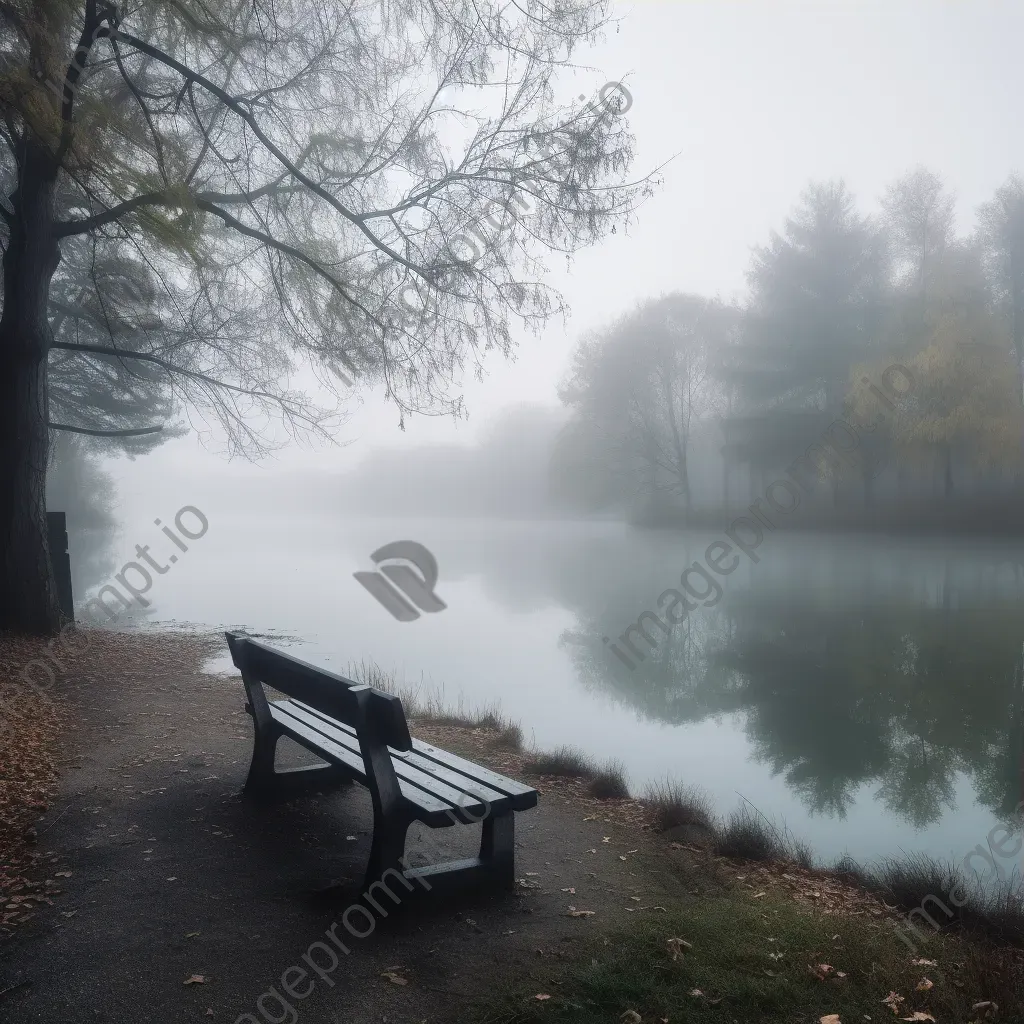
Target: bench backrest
(364,708)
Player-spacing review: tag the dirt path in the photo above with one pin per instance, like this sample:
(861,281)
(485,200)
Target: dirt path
(173,876)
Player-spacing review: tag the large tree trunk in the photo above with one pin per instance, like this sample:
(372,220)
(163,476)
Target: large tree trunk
(28,597)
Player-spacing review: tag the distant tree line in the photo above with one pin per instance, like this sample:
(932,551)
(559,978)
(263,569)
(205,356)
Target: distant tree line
(834,297)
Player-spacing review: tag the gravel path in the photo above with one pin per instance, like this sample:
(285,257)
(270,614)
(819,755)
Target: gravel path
(185,903)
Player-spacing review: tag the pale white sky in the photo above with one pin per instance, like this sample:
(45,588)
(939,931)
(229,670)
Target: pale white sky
(756,98)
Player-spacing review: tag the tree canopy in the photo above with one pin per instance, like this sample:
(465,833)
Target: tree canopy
(204,197)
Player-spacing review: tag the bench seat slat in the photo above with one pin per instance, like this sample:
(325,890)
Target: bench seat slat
(431,809)
(523,797)
(449,768)
(455,796)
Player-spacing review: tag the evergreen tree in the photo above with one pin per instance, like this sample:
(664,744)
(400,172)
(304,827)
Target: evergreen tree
(817,293)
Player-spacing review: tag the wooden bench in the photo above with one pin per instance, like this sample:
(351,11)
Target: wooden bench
(362,735)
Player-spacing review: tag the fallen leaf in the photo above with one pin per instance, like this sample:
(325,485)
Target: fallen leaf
(695,992)
(195,979)
(924,963)
(831,1018)
(62,874)
(191,935)
(573,912)
(893,1000)
(919,1015)
(631,1017)
(924,984)
(570,889)
(395,979)
(758,895)
(608,839)
(541,996)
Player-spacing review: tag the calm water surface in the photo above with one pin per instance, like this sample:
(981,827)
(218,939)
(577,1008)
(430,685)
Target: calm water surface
(867,692)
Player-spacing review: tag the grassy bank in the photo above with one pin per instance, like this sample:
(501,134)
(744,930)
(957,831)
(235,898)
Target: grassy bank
(736,956)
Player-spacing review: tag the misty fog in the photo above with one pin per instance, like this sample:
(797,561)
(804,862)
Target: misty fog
(836,194)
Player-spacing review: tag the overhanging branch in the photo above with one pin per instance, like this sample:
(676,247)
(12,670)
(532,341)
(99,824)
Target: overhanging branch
(78,227)
(202,378)
(105,433)
(228,100)
(289,250)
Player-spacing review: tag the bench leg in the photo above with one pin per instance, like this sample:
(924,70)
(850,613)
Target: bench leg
(260,780)
(387,849)
(497,848)
(265,782)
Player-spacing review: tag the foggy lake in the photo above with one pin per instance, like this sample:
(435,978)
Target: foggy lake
(866,692)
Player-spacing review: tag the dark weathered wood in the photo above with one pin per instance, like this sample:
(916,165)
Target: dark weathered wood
(439,762)
(452,791)
(335,695)
(57,533)
(362,735)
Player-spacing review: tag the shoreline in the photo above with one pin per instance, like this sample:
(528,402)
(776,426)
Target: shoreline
(686,887)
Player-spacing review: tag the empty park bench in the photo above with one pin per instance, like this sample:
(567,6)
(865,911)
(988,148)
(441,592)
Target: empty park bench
(362,735)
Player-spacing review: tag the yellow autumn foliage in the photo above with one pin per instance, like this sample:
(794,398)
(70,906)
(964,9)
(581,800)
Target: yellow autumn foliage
(965,394)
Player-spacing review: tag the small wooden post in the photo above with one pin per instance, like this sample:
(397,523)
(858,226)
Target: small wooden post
(57,528)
